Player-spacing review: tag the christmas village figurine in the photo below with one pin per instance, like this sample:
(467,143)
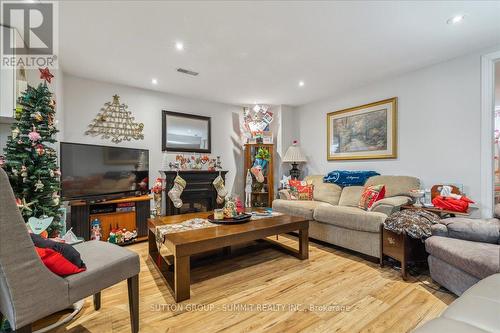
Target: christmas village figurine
(121,236)
(95,230)
(157,190)
(230,209)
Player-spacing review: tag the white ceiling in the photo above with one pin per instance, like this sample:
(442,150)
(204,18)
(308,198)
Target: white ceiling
(258,51)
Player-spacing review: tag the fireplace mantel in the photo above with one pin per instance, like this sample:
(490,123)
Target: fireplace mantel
(199,194)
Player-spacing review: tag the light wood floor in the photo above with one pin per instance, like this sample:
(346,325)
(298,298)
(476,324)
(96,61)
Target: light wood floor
(362,296)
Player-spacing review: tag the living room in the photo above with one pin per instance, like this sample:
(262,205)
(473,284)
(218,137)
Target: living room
(264,166)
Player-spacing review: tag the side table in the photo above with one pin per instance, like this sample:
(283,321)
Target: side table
(401,247)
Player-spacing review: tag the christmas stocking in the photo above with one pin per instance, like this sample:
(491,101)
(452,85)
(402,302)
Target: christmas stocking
(221,190)
(175,192)
(257,172)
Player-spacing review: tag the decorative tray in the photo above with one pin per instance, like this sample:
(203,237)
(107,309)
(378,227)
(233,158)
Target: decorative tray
(234,220)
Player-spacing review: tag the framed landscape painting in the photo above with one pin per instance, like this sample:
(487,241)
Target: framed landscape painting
(363,132)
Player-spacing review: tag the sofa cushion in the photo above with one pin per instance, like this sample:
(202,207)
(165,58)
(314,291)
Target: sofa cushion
(107,264)
(477,230)
(395,185)
(479,306)
(475,311)
(350,218)
(300,208)
(478,259)
(350,196)
(370,195)
(325,192)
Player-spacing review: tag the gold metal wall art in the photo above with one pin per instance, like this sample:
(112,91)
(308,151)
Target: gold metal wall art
(116,122)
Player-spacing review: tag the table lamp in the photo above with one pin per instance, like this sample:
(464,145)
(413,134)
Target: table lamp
(295,156)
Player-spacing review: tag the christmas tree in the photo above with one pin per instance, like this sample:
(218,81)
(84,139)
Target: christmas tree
(30,159)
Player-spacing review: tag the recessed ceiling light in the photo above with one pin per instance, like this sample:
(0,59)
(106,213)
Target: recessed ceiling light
(301,83)
(455,19)
(179,46)
(154,81)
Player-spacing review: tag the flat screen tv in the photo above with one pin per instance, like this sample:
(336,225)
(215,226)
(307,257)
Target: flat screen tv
(96,172)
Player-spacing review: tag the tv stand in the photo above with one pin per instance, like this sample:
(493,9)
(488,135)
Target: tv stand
(131,213)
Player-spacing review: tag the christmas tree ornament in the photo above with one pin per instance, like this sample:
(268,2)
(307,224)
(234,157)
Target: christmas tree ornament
(34,135)
(37,116)
(115,121)
(175,192)
(220,188)
(15,172)
(45,74)
(39,186)
(24,206)
(52,104)
(15,132)
(19,142)
(51,173)
(39,225)
(24,171)
(56,199)
(57,172)
(40,150)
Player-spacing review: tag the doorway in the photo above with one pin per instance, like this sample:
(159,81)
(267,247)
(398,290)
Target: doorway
(496,149)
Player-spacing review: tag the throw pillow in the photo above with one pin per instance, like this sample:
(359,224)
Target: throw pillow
(370,195)
(66,250)
(56,263)
(301,190)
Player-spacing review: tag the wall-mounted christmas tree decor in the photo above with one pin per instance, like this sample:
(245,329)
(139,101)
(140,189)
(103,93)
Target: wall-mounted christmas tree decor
(30,159)
(116,122)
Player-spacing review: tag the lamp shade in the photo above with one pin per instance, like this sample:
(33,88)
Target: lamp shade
(294,154)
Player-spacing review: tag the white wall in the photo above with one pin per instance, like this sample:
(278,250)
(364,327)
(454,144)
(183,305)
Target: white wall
(83,98)
(438,125)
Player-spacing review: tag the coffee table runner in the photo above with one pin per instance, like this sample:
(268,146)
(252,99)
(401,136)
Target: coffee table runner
(196,223)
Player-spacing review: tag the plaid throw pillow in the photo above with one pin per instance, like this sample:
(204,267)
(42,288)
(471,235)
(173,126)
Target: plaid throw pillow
(301,190)
(370,195)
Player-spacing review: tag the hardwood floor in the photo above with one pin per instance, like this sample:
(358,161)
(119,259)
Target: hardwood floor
(333,291)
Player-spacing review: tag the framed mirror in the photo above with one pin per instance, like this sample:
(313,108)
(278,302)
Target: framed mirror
(182,132)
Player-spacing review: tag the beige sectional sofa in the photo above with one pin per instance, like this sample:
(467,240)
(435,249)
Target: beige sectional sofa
(335,216)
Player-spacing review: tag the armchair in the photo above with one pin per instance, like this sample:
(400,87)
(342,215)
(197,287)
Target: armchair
(463,251)
(29,291)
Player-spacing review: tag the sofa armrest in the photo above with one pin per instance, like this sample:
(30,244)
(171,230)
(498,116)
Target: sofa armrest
(390,205)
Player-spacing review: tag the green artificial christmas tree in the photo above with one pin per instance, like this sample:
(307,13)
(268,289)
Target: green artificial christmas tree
(30,159)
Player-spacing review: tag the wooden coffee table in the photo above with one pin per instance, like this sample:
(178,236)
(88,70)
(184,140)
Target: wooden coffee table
(176,267)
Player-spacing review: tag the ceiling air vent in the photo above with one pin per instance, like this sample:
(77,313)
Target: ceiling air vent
(187,71)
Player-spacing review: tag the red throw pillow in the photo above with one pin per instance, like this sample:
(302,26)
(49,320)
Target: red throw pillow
(301,190)
(370,195)
(55,261)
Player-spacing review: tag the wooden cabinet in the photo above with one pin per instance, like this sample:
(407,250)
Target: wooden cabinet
(262,193)
(110,216)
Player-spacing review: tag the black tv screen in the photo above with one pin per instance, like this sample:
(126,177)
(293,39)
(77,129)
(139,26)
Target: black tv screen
(89,171)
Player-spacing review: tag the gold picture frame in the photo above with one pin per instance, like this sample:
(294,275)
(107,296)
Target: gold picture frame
(363,132)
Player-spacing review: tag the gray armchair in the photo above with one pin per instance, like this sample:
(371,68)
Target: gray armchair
(463,251)
(29,291)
